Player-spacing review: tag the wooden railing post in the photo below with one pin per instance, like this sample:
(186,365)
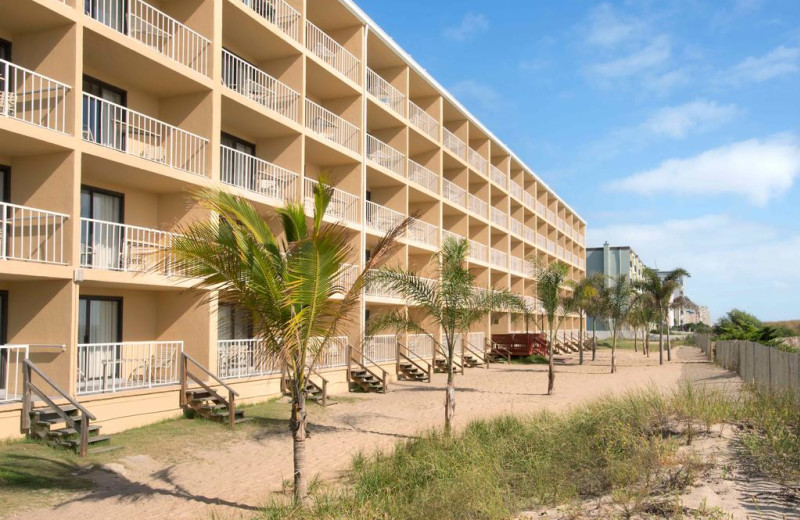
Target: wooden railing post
(385,381)
(184,367)
(25,420)
(324,392)
(84,435)
(231,409)
(349,363)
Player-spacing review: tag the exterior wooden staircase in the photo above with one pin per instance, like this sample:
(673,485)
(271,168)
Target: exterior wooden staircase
(206,401)
(474,357)
(411,367)
(59,425)
(364,374)
(316,392)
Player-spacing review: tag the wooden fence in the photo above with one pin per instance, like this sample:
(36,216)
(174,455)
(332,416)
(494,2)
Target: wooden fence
(770,369)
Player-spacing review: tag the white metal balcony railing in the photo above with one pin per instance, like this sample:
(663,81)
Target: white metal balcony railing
(11,368)
(541,210)
(560,224)
(255,84)
(381,348)
(551,216)
(560,252)
(476,339)
(422,232)
(499,217)
(118,247)
(384,155)
(541,241)
(31,235)
(516,264)
(528,200)
(421,345)
(384,92)
(499,177)
(516,191)
(32,98)
(378,288)
(343,205)
(478,251)
(240,358)
(454,144)
(449,234)
(278,13)
(530,235)
(332,52)
(257,175)
(454,193)
(515,226)
(333,354)
(347,276)
(159,31)
(111,367)
(422,176)
(125,130)
(331,127)
(382,218)
(477,206)
(478,162)
(498,258)
(423,121)
(551,247)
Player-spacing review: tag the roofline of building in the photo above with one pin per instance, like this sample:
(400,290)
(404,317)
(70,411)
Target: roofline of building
(373,26)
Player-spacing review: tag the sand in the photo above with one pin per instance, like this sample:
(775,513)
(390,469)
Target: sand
(235,481)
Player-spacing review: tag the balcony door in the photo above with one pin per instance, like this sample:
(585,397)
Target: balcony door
(239,168)
(3,338)
(104,117)
(113,13)
(5,54)
(102,236)
(100,332)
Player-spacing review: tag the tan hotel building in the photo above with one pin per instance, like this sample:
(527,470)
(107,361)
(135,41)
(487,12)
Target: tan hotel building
(112,111)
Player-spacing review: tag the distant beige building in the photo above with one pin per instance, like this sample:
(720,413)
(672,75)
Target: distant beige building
(111,111)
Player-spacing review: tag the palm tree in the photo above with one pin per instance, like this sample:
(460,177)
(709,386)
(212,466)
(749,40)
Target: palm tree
(549,281)
(288,283)
(583,291)
(620,302)
(660,291)
(597,307)
(451,300)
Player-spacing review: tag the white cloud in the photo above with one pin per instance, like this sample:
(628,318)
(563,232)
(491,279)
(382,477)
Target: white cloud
(663,84)
(482,94)
(655,54)
(698,116)
(778,62)
(470,26)
(757,169)
(733,263)
(607,28)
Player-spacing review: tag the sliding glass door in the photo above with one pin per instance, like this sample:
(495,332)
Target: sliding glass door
(99,332)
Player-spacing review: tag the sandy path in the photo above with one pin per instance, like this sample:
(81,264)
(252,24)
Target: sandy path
(232,483)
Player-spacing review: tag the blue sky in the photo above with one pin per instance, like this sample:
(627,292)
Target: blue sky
(670,126)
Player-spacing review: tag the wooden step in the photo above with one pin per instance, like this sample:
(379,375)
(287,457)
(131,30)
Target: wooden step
(75,443)
(65,432)
(95,450)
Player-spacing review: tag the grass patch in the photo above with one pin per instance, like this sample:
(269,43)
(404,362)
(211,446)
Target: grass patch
(534,359)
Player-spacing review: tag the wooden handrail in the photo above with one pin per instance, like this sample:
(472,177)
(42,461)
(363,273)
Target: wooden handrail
(475,352)
(58,389)
(384,379)
(460,366)
(495,347)
(212,376)
(408,358)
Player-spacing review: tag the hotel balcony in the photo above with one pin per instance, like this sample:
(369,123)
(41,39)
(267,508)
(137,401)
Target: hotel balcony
(381,218)
(516,265)
(113,367)
(385,93)
(478,252)
(331,127)
(454,193)
(132,133)
(423,121)
(32,98)
(541,242)
(381,290)
(478,163)
(31,235)
(332,52)
(498,177)
(449,234)
(278,13)
(257,175)
(384,155)
(498,258)
(454,144)
(516,227)
(422,232)
(343,206)
(241,358)
(420,345)
(146,24)
(422,176)
(347,276)
(257,85)
(541,209)
(477,206)
(499,218)
(530,235)
(529,201)
(381,348)
(515,189)
(110,246)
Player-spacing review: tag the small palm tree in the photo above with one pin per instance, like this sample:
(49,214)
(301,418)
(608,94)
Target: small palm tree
(549,281)
(660,291)
(620,302)
(289,284)
(450,299)
(583,291)
(597,307)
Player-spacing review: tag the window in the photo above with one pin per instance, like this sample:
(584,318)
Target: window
(5,183)
(5,50)
(237,168)
(102,240)
(108,12)
(102,122)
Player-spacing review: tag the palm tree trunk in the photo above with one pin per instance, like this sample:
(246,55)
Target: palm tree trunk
(298,425)
(614,350)
(594,339)
(551,373)
(449,393)
(669,347)
(580,338)
(635,339)
(661,345)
